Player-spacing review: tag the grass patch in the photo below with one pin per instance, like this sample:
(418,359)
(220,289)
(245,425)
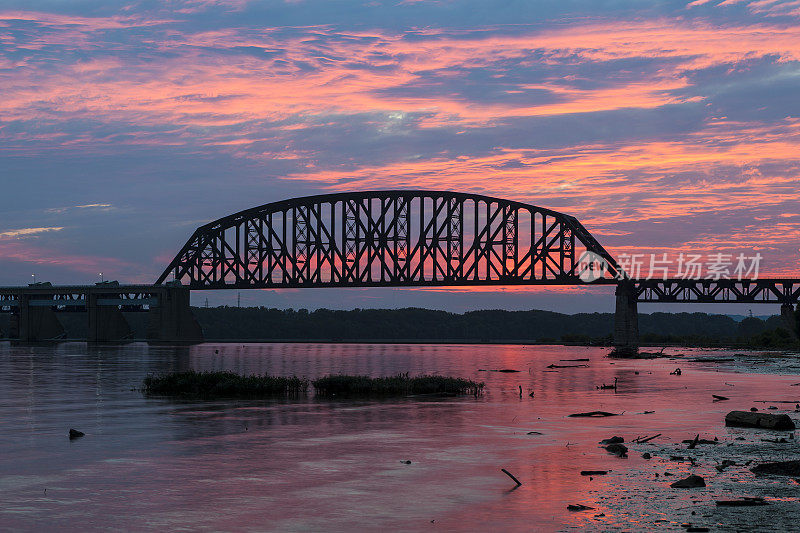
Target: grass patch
(399,385)
(231,385)
(223,385)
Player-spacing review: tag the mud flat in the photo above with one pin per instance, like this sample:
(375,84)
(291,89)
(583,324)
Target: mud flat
(744,476)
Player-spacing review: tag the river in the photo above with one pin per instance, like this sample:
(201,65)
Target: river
(155,464)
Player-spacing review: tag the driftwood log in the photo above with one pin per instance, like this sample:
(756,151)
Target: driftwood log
(594,414)
(509,474)
(749,502)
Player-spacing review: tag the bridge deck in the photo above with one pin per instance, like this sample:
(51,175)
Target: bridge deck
(671,290)
(75,297)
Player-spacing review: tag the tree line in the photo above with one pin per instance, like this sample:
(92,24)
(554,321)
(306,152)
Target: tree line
(415,324)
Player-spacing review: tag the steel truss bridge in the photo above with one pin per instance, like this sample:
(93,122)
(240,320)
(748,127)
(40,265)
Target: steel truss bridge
(423,238)
(385,239)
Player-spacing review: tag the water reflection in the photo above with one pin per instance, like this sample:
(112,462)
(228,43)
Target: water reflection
(340,465)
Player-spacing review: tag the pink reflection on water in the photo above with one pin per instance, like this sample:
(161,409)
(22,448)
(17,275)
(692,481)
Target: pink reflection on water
(340,465)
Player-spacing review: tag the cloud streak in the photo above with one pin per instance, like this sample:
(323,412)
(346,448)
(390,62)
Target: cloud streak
(26,232)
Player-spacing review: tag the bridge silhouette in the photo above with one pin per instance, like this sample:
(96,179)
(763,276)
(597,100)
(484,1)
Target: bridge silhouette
(387,239)
(402,238)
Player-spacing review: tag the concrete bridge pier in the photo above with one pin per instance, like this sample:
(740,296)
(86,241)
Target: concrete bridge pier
(790,319)
(106,322)
(37,322)
(13,329)
(626,321)
(172,321)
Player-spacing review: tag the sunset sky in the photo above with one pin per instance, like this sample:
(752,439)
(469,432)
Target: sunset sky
(663,126)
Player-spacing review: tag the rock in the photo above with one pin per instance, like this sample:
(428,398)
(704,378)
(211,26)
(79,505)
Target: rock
(75,434)
(617,449)
(754,409)
(690,482)
(578,507)
(758,420)
(725,464)
(406,462)
(697,528)
(646,455)
(613,440)
(780,468)
(594,472)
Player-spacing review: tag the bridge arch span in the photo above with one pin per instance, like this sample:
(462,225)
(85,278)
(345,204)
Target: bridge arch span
(388,238)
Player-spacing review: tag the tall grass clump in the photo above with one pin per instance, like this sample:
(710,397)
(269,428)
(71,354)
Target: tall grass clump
(223,385)
(399,385)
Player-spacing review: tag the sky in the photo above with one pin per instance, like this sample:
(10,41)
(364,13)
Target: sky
(664,126)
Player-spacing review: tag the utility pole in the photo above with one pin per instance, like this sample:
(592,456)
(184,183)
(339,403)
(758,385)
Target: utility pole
(239,300)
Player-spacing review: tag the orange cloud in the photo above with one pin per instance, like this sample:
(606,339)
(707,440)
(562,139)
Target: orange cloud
(313,73)
(218,88)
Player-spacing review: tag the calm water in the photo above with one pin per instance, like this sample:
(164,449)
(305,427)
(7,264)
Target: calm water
(156,464)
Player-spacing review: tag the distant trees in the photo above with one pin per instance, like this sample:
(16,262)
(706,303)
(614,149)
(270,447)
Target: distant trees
(797,319)
(261,323)
(269,324)
(750,327)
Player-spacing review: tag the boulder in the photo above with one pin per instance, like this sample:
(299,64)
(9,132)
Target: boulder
(74,434)
(745,419)
(617,449)
(690,482)
(579,507)
(613,440)
(780,468)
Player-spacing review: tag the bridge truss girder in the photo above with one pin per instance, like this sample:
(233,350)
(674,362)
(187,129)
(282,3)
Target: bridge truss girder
(677,290)
(387,238)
